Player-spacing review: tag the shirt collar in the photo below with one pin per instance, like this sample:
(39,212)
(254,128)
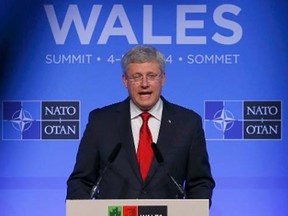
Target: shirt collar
(155,111)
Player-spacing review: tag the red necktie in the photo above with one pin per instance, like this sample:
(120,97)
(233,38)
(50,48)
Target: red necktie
(144,152)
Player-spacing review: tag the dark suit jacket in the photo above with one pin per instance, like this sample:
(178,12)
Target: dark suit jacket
(181,141)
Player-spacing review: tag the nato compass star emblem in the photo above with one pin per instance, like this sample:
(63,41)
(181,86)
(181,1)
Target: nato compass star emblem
(18,123)
(21,120)
(223,120)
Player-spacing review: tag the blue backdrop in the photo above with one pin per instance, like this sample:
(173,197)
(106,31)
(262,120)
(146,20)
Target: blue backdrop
(227,60)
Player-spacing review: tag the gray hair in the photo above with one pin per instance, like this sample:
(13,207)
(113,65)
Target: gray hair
(142,54)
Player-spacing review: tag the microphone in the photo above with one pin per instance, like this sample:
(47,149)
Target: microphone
(111,159)
(160,160)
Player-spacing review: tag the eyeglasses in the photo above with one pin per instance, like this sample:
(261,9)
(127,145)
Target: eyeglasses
(137,78)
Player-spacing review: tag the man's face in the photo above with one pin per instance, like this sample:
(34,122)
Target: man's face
(144,83)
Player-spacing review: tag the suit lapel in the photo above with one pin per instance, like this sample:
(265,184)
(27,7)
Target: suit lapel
(125,135)
(166,135)
(167,129)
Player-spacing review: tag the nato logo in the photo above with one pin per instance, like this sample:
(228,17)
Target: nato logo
(242,120)
(40,120)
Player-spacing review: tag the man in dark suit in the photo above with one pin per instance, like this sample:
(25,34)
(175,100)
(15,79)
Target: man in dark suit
(177,132)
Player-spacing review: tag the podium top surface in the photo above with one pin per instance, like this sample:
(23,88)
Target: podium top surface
(141,207)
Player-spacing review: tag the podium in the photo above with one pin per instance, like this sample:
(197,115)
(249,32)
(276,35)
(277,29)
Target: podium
(143,207)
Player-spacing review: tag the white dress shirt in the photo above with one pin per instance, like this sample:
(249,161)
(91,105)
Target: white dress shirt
(153,122)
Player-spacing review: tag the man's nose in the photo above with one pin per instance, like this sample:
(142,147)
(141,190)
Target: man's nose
(144,81)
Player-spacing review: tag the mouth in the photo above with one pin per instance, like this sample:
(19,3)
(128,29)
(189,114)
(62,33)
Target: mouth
(145,94)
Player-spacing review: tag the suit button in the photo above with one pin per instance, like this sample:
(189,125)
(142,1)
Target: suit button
(144,192)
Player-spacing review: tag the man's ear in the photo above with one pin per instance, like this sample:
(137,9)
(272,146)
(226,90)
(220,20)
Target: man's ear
(163,78)
(124,80)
